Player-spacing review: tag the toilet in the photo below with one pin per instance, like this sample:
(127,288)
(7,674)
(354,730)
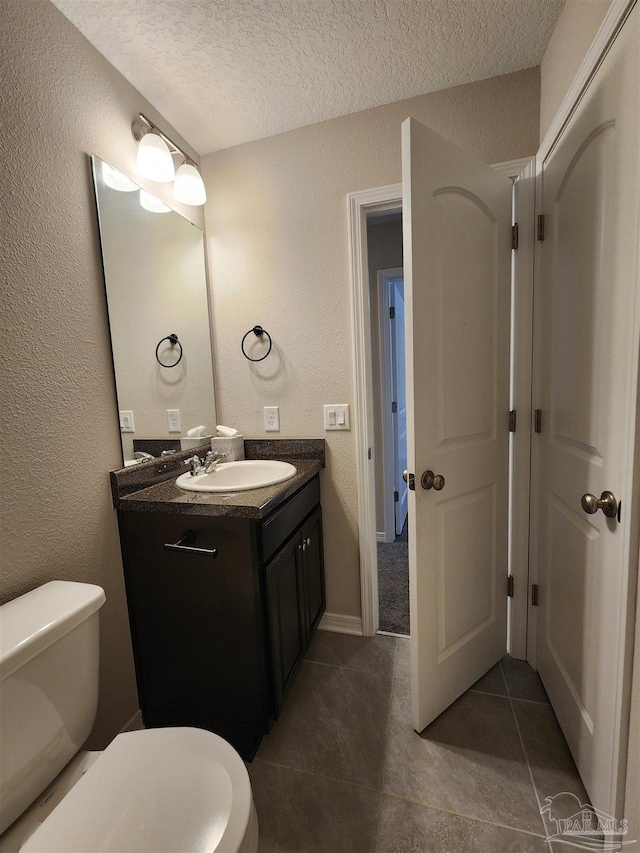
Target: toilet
(157,790)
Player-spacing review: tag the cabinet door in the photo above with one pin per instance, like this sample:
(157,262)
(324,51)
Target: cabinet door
(284,599)
(197,625)
(312,573)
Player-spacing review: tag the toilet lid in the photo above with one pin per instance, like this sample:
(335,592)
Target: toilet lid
(153,791)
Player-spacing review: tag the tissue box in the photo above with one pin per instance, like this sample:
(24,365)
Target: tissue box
(188,443)
(233,448)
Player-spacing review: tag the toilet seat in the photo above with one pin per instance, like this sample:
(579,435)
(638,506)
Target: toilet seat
(155,791)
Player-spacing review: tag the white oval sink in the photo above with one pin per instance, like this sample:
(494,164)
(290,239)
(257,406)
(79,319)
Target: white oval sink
(238,476)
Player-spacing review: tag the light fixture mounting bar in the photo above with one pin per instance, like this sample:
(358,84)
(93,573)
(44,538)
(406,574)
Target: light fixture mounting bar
(141,126)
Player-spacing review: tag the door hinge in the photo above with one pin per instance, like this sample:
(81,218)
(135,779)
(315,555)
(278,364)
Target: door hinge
(537,420)
(369,453)
(394,407)
(514,236)
(534,594)
(396,496)
(512,420)
(510,586)
(541,227)
(392,313)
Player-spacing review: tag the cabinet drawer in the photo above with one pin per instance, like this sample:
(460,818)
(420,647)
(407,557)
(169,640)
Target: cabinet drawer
(284,521)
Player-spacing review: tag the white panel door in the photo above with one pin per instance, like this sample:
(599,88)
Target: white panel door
(396,300)
(457,256)
(587,364)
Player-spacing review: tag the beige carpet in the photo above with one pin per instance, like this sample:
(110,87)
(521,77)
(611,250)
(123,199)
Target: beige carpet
(393,584)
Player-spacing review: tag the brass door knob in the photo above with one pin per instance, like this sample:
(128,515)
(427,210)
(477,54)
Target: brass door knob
(429,480)
(405,475)
(607,503)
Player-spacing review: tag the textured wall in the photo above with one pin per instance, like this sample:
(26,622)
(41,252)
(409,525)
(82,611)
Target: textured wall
(61,101)
(577,25)
(385,252)
(277,240)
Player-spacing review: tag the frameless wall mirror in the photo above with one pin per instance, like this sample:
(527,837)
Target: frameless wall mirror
(155,279)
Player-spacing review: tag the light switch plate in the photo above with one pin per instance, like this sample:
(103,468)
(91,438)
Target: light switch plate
(336,416)
(126,421)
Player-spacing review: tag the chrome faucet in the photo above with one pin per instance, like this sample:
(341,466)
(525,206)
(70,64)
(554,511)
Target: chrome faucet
(212,460)
(207,465)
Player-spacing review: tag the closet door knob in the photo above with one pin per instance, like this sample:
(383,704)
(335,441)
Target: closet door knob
(607,503)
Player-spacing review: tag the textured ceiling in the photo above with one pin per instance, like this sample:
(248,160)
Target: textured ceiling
(225,72)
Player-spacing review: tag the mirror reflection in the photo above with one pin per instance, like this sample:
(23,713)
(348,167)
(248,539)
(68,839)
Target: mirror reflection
(155,279)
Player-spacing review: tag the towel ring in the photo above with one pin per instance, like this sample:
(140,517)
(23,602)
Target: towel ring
(173,340)
(258,331)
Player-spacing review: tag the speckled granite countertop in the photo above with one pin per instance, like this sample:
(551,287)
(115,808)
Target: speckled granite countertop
(150,487)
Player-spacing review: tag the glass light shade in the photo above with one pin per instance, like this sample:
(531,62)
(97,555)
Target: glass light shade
(189,186)
(154,159)
(153,204)
(116,180)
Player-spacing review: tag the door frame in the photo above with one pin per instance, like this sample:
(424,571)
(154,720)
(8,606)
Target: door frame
(389,199)
(388,428)
(522,173)
(359,204)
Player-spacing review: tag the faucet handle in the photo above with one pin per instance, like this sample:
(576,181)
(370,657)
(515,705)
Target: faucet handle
(196,465)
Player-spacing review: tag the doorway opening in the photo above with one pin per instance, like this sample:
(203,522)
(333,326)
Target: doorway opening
(386,294)
(370,207)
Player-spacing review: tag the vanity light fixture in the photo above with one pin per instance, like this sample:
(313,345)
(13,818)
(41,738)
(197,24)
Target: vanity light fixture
(153,204)
(116,180)
(155,162)
(154,159)
(188,186)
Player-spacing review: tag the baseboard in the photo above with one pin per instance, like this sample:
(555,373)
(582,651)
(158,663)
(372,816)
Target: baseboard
(134,724)
(340,624)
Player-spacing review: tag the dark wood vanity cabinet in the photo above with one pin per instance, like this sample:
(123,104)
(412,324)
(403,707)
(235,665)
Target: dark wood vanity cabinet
(295,602)
(218,639)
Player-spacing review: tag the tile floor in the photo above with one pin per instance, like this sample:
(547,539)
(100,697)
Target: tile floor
(343,769)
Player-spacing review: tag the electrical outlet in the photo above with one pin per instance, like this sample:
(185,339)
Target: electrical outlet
(173,420)
(271,419)
(126,422)
(336,416)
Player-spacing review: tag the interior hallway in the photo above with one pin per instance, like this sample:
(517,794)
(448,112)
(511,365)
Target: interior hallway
(343,770)
(393,583)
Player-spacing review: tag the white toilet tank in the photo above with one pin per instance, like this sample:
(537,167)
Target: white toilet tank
(48,687)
